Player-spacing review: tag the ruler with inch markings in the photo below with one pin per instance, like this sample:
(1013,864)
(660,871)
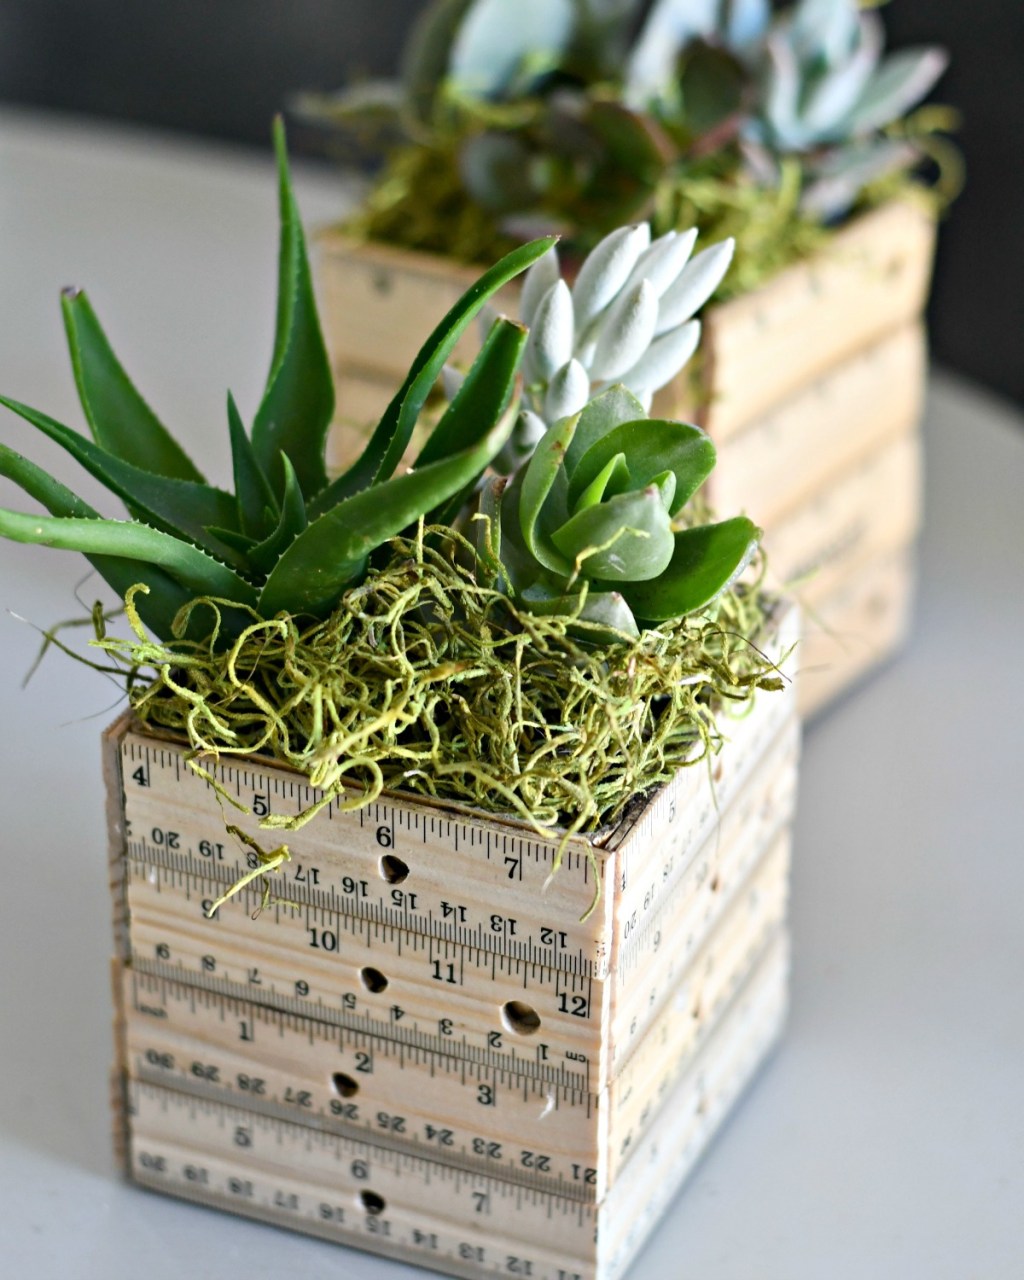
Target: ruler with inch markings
(418,1207)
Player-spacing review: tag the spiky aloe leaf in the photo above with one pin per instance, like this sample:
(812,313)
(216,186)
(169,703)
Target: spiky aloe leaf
(166,597)
(333,550)
(298,402)
(119,418)
(649,447)
(391,437)
(292,522)
(483,395)
(198,572)
(183,508)
(705,561)
(253,493)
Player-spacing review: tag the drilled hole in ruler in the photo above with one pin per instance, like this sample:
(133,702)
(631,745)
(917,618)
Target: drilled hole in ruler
(344,1085)
(372,1202)
(373,979)
(520,1018)
(393,869)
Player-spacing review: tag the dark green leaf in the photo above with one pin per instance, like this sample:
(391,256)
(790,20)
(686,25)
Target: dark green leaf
(183,508)
(705,561)
(332,552)
(166,596)
(199,573)
(119,418)
(483,397)
(293,521)
(612,479)
(298,402)
(650,446)
(630,538)
(391,437)
(252,488)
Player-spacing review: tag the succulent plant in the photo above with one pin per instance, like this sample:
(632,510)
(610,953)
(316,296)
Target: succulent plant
(287,539)
(591,523)
(628,318)
(827,93)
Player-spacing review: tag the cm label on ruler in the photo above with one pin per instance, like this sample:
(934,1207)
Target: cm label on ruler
(420,867)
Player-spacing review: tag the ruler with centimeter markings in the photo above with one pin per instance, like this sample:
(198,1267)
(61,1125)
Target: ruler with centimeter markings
(418,1207)
(393,982)
(192,1038)
(433,869)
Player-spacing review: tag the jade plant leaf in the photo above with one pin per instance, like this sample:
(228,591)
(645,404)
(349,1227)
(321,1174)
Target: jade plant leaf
(705,561)
(626,538)
(649,447)
(119,418)
(298,402)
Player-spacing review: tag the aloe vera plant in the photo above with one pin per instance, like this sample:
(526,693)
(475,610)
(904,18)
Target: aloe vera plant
(286,540)
(591,523)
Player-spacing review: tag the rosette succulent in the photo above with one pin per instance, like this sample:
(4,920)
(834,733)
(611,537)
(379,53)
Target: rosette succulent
(592,524)
(627,318)
(288,539)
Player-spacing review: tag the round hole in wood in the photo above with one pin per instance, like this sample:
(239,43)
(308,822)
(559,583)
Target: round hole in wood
(344,1085)
(372,979)
(372,1203)
(393,869)
(519,1018)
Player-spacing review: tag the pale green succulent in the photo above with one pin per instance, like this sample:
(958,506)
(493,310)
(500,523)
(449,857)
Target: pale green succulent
(627,318)
(288,539)
(592,524)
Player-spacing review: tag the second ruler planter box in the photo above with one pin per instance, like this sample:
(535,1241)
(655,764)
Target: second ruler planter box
(811,387)
(409,1038)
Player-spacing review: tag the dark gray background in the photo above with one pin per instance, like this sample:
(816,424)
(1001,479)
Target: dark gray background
(222,67)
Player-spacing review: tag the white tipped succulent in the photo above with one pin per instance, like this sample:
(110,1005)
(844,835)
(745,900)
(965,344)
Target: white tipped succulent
(628,318)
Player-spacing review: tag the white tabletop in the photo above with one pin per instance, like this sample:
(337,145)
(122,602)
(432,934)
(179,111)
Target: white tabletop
(886,1137)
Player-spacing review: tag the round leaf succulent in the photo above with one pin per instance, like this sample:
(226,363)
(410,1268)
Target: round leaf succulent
(287,540)
(592,522)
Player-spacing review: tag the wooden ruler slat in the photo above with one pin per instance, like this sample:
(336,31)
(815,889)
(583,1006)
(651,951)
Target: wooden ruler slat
(528,1127)
(334,1185)
(393,981)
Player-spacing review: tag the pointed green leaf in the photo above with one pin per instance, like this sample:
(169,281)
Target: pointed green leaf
(180,507)
(483,396)
(199,573)
(332,552)
(292,522)
(391,437)
(706,560)
(630,538)
(609,409)
(240,542)
(166,597)
(651,447)
(252,488)
(298,402)
(542,490)
(119,418)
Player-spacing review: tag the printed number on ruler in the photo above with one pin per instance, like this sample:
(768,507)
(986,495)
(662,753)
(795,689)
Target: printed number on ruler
(406,866)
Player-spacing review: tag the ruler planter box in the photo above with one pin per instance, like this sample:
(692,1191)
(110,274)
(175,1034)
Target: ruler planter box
(802,381)
(413,1038)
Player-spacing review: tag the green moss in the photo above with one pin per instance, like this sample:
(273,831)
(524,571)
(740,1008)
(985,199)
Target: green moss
(425,681)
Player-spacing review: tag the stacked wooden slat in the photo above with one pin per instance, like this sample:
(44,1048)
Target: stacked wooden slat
(412,1037)
(810,386)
